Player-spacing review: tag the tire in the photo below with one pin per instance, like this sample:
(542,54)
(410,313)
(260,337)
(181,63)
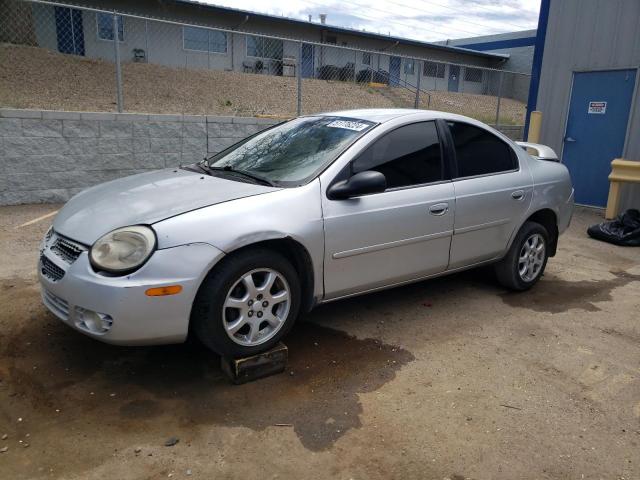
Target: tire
(236,317)
(523,265)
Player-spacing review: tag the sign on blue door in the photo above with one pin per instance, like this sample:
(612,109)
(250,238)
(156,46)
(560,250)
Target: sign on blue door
(596,130)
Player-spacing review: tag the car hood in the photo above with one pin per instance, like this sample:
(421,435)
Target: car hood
(145,198)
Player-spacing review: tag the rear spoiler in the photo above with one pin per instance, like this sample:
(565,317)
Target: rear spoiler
(541,152)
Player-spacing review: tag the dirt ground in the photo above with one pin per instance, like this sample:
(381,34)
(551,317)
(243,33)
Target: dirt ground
(452,378)
(32,77)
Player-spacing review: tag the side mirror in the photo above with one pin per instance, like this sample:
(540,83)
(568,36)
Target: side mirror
(360,184)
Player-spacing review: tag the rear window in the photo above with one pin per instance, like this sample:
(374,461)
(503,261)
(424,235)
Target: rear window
(479,152)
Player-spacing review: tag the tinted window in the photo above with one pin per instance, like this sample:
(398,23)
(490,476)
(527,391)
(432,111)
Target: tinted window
(409,155)
(479,152)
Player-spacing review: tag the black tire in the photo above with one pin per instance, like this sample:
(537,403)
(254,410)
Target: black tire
(507,270)
(207,320)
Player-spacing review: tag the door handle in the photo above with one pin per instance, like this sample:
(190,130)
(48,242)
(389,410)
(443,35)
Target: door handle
(518,195)
(439,209)
(569,139)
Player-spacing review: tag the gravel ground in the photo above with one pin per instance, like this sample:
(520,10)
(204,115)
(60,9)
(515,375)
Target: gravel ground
(33,77)
(452,379)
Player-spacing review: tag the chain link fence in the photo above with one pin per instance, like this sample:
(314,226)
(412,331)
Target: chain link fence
(53,56)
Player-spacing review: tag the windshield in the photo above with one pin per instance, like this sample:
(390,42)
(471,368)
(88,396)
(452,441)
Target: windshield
(294,152)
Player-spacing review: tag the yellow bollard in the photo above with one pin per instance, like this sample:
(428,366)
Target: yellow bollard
(621,171)
(535,124)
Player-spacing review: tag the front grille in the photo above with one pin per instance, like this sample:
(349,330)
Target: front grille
(50,269)
(66,250)
(57,304)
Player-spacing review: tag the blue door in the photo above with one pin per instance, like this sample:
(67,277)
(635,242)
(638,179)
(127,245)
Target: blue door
(596,130)
(394,70)
(69,30)
(454,78)
(307,60)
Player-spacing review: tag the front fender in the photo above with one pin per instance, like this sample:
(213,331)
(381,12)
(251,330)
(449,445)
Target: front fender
(293,213)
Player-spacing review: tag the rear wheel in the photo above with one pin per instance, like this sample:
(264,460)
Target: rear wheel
(247,303)
(526,260)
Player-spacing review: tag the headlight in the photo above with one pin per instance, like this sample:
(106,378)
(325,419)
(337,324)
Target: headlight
(124,249)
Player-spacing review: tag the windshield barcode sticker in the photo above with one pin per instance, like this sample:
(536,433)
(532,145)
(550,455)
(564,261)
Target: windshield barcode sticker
(357,126)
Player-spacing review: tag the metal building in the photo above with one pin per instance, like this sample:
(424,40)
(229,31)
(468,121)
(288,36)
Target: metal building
(519,46)
(585,82)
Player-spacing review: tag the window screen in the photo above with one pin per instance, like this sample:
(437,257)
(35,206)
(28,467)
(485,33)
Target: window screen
(408,66)
(479,152)
(366,58)
(433,69)
(472,75)
(105,26)
(409,155)
(264,47)
(195,38)
(204,40)
(217,41)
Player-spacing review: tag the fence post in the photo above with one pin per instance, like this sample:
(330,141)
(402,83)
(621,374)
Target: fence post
(355,63)
(299,78)
(116,48)
(417,64)
(499,97)
(146,39)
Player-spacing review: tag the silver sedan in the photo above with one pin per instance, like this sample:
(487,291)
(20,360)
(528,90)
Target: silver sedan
(234,248)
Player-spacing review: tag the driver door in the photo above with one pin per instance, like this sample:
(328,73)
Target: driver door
(401,234)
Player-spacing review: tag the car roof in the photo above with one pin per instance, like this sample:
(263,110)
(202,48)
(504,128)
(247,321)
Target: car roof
(381,115)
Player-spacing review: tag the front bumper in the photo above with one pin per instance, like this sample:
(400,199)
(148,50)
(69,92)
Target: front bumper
(73,292)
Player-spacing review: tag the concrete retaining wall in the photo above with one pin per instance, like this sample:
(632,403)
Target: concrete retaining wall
(514,132)
(49,156)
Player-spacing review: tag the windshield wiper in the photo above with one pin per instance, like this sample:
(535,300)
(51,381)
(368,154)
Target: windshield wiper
(253,176)
(201,165)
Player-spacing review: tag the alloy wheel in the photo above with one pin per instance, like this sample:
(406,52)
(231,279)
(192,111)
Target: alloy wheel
(256,307)
(532,257)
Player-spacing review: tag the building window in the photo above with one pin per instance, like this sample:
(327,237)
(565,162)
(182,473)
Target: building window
(204,40)
(472,75)
(409,66)
(366,59)
(105,26)
(433,69)
(262,47)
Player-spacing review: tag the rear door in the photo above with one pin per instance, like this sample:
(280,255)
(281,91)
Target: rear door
(397,235)
(493,192)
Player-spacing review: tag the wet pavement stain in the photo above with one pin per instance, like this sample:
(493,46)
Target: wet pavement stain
(317,395)
(553,295)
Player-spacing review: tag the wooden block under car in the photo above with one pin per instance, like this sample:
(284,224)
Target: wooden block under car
(247,369)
